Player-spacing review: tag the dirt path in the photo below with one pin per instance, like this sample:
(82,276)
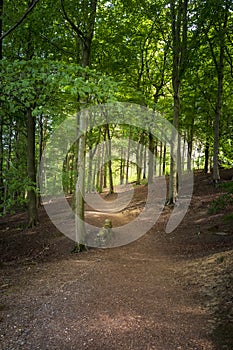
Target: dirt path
(145,295)
(117,299)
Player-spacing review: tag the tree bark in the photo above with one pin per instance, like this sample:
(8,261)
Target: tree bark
(139,157)
(109,155)
(207,157)
(1,163)
(151,158)
(1,28)
(219,66)
(80,185)
(164,158)
(122,166)
(179,46)
(85,38)
(128,156)
(31,170)
(216,175)
(1,119)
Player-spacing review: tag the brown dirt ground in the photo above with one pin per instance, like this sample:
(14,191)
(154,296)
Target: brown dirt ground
(163,291)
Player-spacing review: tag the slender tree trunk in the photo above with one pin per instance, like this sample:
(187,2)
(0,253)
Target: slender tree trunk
(189,158)
(94,177)
(109,156)
(155,157)
(1,163)
(71,173)
(98,170)
(144,163)
(1,28)
(164,158)
(160,158)
(102,173)
(190,142)
(80,185)
(32,196)
(122,166)
(151,158)
(128,157)
(219,65)
(174,149)
(90,171)
(86,40)
(1,120)
(179,47)
(207,157)
(139,165)
(216,175)
(139,157)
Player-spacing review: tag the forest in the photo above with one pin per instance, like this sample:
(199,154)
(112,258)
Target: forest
(116,127)
(59,57)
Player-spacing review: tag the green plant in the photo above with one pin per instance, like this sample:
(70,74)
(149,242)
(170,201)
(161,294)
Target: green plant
(228,186)
(228,217)
(220,203)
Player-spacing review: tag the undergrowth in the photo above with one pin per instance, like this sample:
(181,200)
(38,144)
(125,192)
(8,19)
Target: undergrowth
(223,200)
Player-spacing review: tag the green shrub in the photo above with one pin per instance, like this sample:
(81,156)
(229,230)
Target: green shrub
(228,186)
(220,203)
(228,217)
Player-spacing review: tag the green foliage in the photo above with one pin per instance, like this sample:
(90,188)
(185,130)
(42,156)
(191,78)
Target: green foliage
(45,85)
(131,60)
(79,248)
(17,185)
(223,200)
(228,217)
(220,203)
(227,186)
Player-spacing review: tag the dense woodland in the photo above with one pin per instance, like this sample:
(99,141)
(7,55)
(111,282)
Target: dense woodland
(174,57)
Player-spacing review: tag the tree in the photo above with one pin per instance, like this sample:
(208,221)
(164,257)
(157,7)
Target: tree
(179,24)
(219,61)
(24,16)
(84,31)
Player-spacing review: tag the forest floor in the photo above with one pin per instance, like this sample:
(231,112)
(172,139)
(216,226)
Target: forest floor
(163,291)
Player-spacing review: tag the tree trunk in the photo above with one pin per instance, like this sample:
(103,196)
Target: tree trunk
(174,150)
(98,170)
(86,40)
(190,144)
(1,28)
(80,185)
(164,158)
(122,167)
(139,169)
(144,163)
(207,157)
(128,157)
(139,157)
(219,65)
(102,172)
(216,175)
(160,158)
(1,120)
(109,155)
(179,47)
(90,171)
(189,158)
(1,164)
(151,158)
(155,157)
(31,170)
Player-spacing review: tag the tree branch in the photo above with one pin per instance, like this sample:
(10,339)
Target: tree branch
(21,20)
(75,28)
